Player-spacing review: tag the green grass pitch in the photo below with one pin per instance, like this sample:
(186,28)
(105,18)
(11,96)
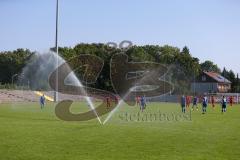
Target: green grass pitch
(28,133)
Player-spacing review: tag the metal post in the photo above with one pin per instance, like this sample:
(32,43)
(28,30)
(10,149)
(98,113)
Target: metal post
(13,78)
(56,50)
(237,98)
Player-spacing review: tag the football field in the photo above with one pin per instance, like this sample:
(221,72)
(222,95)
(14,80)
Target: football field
(160,132)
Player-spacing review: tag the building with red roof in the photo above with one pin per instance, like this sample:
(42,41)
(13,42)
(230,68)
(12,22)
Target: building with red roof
(211,82)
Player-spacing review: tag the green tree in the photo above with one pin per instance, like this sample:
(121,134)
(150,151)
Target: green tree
(210,67)
(12,63)
(185,50)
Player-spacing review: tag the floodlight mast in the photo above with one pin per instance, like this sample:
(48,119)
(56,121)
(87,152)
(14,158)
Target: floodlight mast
(56,50)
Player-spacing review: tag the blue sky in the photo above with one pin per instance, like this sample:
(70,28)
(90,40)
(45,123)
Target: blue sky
(210,28)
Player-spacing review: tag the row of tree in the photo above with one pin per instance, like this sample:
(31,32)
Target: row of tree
(184,66)
(12,63)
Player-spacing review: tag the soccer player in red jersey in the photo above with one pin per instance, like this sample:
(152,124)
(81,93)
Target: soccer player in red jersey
(213,101)
(138,100)
(231,100)
(188,99)
(108,102)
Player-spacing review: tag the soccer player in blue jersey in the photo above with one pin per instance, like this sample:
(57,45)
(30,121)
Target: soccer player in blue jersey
(42,101)
(142,103)
(204,104)
(195,101)
(183,104)
(224,104)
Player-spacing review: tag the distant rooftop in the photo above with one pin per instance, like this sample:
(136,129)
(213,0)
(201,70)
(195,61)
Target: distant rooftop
(217,77)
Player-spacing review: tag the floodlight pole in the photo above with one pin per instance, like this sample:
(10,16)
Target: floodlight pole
(56,50)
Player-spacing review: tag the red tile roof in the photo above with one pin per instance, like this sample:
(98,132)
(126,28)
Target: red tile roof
(217,77)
